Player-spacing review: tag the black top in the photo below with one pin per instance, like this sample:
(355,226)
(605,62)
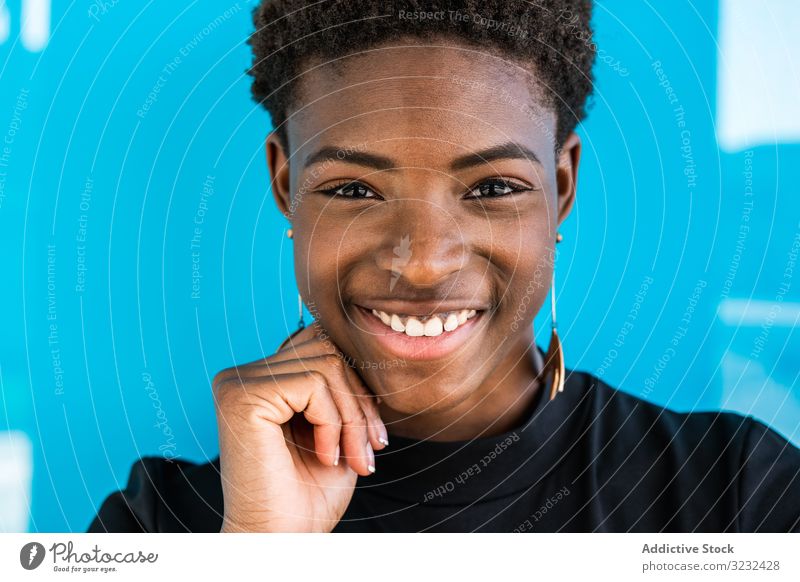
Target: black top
(593,459)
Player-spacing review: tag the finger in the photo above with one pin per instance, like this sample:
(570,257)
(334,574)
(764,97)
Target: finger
(376,429)
(306,349)
(319,411)
(277,398)
(299,336)
(379,436)
(356,445)
(262,366)
(310,347)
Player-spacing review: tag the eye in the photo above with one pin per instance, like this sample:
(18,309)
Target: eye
(350,190)
(496,188)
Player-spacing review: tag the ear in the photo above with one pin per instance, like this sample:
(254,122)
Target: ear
(567,174)
(278,165)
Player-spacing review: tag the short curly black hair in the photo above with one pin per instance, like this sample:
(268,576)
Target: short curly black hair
(554,36)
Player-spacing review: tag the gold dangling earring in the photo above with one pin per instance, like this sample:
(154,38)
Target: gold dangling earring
(301,322)
(554,358)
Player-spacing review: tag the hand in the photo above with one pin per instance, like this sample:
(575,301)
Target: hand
(282,470)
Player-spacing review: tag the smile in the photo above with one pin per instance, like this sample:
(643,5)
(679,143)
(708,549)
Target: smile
(420,337)
(429,326)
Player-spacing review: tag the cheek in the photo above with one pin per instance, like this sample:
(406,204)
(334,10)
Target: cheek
(333,243)
(525,262)
(315,271)
(324,257)
(331,233)
(317,244)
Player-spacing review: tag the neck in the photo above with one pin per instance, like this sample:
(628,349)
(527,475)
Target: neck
(500,404)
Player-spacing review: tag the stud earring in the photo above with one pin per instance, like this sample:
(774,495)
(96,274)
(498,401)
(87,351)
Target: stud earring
(554,358)
(290,233)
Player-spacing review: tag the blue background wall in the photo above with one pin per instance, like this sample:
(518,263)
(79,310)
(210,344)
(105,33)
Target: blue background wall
(135,123)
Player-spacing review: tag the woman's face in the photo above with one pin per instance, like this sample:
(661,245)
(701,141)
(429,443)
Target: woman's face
(424,182)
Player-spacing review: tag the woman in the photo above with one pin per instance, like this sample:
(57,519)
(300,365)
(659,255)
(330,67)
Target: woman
(425,158)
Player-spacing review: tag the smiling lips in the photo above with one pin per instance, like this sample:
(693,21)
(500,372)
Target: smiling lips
(430,326)
(419,337)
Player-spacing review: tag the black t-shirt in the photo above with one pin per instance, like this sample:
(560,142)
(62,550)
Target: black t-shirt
(593,459)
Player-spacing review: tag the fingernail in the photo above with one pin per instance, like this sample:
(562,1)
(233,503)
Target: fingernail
(383,438)
(336,456)
(370,459)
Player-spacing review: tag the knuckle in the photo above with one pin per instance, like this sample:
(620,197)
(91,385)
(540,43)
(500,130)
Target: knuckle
(233,375)
(326,417)
(224,395)
(221,377)
(354,418)
(335,366)
(231,388)
(370,413)
(316,377)
(331,360)
(328,347)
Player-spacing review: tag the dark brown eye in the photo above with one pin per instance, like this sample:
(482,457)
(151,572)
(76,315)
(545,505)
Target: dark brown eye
(351,190)
(496,189)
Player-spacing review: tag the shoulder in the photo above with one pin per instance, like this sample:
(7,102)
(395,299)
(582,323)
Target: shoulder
(721,453)
(164,495)
(631,411)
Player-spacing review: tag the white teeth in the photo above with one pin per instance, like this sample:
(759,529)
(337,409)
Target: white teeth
(414,327)
(432,326)
(397,325)
(451,323)
(385,317)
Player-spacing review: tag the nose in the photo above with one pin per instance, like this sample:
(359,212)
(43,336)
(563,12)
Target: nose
(423,244)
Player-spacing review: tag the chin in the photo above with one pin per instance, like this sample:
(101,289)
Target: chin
(406,394)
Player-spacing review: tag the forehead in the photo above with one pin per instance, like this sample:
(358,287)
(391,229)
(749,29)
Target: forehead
(414,94)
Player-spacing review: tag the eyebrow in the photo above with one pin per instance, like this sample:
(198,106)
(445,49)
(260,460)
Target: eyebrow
(504,151)
(334,153)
